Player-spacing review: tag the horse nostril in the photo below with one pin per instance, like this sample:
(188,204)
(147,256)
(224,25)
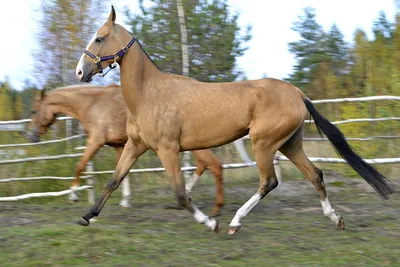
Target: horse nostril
(80,73)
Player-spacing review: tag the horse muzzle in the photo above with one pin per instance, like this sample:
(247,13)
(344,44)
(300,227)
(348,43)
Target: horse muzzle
(33,136)
(84,72)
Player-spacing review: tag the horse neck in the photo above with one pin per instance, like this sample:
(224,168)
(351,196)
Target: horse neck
(136,70)
(69,103)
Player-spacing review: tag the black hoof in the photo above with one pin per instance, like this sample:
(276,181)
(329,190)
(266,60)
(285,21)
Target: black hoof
(82,222)
(340,223)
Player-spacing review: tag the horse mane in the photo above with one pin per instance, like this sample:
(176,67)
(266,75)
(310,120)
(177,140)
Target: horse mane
(152,61)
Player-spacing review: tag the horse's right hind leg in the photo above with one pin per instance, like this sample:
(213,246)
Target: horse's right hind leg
(293,149)
(206,158)
(91,147)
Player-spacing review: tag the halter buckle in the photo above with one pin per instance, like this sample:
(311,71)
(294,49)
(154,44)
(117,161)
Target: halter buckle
(97,60)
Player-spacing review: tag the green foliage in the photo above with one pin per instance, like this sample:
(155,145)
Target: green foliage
(327,67)
(65,28)
(317,53)
(215,39)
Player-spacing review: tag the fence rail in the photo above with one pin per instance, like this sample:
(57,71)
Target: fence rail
(40,178)
(89,173)
(45,142)
(46,194)
(63,156)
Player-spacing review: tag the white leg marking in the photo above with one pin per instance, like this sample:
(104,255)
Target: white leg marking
(328,211)
(126,193)
(245,209)
(191,182)
(73,196)
(200,217)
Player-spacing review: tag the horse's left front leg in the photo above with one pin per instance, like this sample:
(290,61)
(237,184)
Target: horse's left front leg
(170,160)
(126,189)
(132,151)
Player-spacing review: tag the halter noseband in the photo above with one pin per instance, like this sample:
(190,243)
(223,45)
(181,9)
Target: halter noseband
(97,60)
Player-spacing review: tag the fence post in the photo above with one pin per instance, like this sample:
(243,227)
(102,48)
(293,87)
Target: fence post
(90,181)
(278,170)
(68,133)
(186,163)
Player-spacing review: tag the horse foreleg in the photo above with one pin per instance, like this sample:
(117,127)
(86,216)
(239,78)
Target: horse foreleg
(126,189)
(132,151)
(170,161)
(90,150)
(268,181)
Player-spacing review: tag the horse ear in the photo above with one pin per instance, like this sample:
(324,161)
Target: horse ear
(112,16)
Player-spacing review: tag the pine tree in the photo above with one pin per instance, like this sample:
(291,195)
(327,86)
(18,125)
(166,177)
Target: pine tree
(215,39)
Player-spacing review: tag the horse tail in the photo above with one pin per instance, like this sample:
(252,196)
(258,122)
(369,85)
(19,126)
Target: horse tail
(380,183)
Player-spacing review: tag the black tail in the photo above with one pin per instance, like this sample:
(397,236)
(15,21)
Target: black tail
(380,183)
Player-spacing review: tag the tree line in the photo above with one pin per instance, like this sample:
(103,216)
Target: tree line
(326,65)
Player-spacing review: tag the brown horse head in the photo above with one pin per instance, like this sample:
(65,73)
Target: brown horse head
(105,48)
(42,117)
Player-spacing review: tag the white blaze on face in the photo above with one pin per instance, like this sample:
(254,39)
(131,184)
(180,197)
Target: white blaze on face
(79,67)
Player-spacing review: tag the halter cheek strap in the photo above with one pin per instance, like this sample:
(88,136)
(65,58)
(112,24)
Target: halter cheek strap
(97,60)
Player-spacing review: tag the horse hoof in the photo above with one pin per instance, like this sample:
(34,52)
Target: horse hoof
(82,222)
(233,229)
(73,201)
(217,229)
(340,223)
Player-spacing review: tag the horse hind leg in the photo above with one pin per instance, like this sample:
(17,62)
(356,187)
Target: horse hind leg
(91,148)
(293,149)
(268,182)
(205,158)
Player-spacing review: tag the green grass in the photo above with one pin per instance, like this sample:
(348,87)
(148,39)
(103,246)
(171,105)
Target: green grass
(287,228)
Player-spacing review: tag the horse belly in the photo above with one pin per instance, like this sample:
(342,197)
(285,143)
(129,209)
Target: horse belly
(213,134)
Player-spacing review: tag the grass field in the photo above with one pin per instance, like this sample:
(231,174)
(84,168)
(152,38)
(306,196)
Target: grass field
(287,228)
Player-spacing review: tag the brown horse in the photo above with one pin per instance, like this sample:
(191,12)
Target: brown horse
(102,113)
(172,113)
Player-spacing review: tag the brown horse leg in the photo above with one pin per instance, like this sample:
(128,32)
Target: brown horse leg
(264,158)
(205,158)
(293,149)
(90,150)
(170,161)
(132,151)
(125,186)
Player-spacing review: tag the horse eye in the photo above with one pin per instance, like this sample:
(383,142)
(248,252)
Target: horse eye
(99,40)
(33,112)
